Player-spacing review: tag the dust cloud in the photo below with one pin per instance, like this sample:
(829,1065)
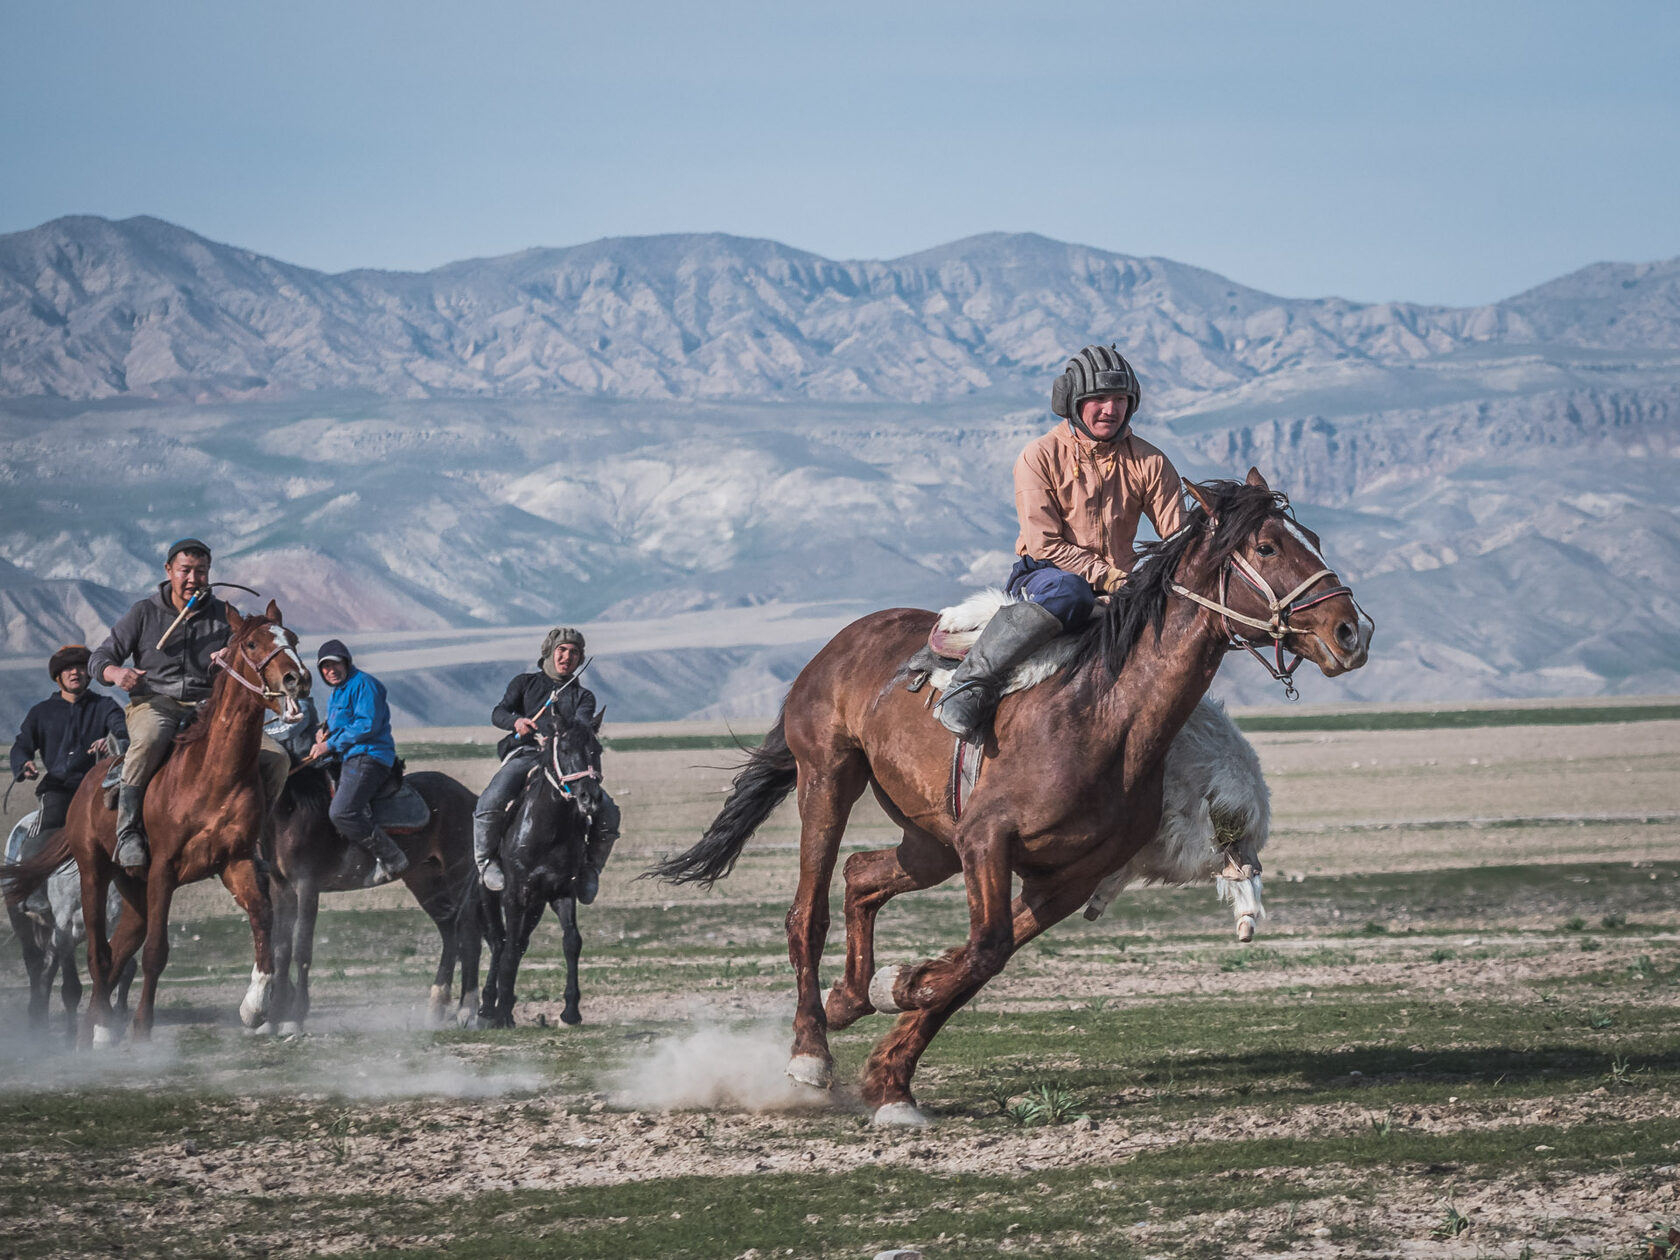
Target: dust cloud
(715,1067)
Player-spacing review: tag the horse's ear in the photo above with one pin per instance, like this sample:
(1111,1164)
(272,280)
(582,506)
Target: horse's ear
(599,715)
(1202,498)
(274,613)
(1255,479)
(236,623)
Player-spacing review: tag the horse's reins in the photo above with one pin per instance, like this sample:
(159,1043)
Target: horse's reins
(1277,626)
(219,659)
(193,601)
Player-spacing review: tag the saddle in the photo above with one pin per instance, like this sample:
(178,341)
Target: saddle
(396,807)
(957,629)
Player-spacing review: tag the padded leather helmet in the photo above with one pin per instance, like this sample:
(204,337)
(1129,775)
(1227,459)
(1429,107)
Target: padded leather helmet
(1094,370)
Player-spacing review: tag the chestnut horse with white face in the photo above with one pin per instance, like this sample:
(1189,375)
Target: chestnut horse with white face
(1072,784)
(204,815)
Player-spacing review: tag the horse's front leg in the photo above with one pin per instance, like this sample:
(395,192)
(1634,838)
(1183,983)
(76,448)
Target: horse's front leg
(520,923)
(826,797)
(241,879)
(872,880)
(931,992)
(303,946)
(96,879)
(64,959)
(572,941)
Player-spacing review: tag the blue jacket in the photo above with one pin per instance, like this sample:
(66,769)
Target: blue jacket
(359,719)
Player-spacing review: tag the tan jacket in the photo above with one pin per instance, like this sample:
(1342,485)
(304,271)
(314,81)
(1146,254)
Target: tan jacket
(1079,501)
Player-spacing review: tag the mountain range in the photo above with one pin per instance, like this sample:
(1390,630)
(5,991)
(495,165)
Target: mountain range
(705,431)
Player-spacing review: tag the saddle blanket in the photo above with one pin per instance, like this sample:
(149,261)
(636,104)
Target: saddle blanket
(956,631)
(402,810)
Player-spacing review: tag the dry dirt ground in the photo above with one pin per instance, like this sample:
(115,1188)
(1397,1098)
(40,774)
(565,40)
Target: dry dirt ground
(1458,1034)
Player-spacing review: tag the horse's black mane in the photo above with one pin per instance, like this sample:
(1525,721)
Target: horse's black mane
(1142,601)
(308,794)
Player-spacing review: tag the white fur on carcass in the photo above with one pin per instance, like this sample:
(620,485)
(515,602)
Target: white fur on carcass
(1213,786)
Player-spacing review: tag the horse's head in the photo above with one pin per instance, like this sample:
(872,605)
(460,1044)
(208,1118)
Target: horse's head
(572,764)
(262,656)
(1273,584)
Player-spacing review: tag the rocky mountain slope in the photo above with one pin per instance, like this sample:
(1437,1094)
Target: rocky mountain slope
(643,431)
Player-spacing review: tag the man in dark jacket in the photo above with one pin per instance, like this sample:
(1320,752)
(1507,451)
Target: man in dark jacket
(171,635)
(534,703)
(70,730)
(358,732)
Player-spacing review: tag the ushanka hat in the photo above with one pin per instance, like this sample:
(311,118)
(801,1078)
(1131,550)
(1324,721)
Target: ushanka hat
(66,656)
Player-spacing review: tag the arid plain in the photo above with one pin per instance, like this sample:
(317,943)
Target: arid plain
(1458,1033)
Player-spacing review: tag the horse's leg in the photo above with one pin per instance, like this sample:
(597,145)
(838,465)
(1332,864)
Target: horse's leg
(826,796)
(241,879)
(495,930)
(930,993)
(282,899)
(160,891)
(307,911)
(572,941)
(469,935)
(430,885)
(508,956)
(872,880)
(37,955)
(64,958)
(96,883)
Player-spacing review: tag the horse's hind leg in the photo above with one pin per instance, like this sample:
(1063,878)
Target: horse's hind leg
(469,939)
(930,993)
(430,886)
(307,911)
(282,1005)
(131,928)
(64,951)
(827,793)
(160,891)
(872,880)
(572,941)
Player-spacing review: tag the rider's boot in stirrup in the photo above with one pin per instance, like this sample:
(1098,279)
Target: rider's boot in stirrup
(597,849)
(131,828)
(484,853)
(1014,633)
(388,860)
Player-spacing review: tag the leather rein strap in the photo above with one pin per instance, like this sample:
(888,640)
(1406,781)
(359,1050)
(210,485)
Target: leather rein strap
(219,658)
(1282,608)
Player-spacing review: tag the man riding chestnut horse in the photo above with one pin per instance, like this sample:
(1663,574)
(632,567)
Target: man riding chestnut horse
(173,637)
(1075,753)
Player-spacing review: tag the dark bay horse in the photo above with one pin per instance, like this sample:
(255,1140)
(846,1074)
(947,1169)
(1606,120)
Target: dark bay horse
(203,814)
(1071,787)
(307,857)
(542,853)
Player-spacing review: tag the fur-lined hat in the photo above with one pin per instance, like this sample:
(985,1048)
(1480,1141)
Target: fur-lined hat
(66,656)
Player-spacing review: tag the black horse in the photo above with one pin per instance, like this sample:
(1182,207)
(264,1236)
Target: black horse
(542,852)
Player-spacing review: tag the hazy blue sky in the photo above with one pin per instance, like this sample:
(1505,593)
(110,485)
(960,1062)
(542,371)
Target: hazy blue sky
(1454,152)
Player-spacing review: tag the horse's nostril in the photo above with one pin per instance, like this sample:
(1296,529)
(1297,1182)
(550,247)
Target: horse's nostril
(1347,635)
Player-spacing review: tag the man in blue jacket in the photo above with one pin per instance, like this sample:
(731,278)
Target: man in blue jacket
(358,733)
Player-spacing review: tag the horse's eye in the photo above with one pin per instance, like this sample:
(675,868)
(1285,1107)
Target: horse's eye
(1266,549)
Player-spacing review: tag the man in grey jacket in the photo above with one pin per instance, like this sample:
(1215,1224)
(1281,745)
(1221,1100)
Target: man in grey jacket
(170,635)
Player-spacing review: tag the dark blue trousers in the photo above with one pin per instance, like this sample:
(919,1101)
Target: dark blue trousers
(1067,595)
(352,805)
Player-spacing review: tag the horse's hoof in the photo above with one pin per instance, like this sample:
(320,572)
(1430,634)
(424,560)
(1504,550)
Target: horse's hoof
(899,1116)
(102,1036)
(470,1020)
(571,1016)
(253,1009)
(881,990)
(288,1028)
(812,1070)
(1245,928)
(437,1005)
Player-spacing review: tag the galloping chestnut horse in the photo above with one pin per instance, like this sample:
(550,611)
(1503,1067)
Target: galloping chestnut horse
(204,811)
(308,857)
(1072,782)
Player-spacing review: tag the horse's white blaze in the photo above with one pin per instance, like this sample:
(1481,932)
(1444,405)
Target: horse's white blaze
(810,1069)
(900,1116)
(254,1008)
(881,990)
(1300,536)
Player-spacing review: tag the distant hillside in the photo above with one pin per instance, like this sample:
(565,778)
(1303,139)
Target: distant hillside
(637,429)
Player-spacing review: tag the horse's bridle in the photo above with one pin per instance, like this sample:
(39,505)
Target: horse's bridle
(1282,608)
(219,658)
(561,781)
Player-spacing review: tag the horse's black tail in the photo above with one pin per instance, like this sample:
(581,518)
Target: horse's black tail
(762,784)
(23,878)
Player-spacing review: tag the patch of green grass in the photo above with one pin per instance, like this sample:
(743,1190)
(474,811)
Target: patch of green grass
(1459,719)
